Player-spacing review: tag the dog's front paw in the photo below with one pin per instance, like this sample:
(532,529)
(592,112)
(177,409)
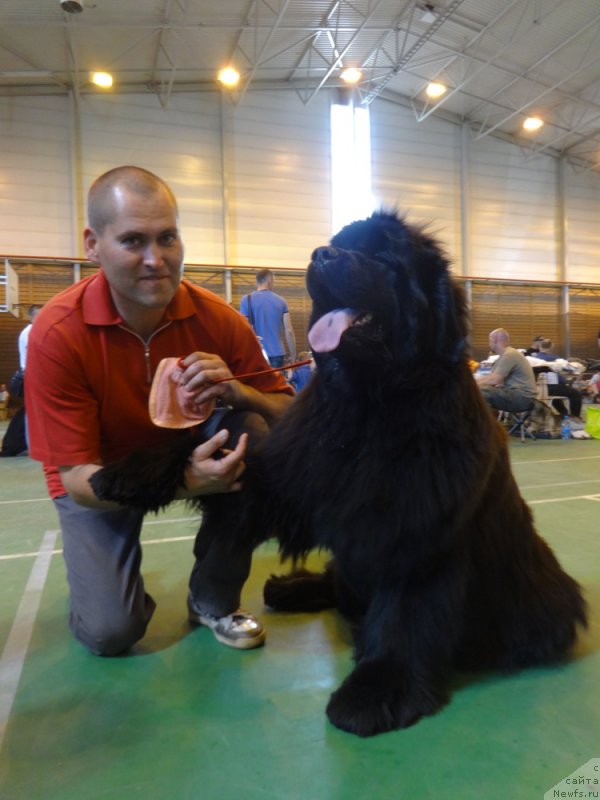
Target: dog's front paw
(372,701)
(132,483)
(117,485)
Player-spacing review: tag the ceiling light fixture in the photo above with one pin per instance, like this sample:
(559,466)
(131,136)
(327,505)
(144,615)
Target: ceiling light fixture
(71,6)
(436,89)
(428,14)
(533,124)
(351,75)
(229,76)
(102,79)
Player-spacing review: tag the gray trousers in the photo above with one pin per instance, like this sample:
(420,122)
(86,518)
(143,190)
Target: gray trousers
(109,607)
(506,399)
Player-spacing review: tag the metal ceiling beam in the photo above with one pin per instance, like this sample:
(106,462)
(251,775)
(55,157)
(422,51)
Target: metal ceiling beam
(164,96)
(369,63)
(465,55)
(175,25)
(256,60)
(373,6)
(7,73)
(73,66)
(532,102)
(408,55)
(311,48)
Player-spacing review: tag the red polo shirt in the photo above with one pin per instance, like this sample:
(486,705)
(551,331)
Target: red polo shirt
(89,377)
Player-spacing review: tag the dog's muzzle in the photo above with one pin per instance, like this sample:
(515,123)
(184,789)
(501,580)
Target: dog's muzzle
(324,255)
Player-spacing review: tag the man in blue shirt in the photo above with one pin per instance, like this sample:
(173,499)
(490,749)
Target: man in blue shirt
(269,316)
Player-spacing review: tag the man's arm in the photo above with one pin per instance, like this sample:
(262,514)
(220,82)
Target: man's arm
(289,335)
(203,475)
(491,379)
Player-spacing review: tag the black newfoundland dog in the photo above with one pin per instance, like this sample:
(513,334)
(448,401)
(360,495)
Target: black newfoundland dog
(391,461)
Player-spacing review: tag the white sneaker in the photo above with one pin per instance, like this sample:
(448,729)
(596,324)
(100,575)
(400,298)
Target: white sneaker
(239,629)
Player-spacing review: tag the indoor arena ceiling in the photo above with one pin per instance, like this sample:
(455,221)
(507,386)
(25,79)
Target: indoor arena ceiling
(501,60)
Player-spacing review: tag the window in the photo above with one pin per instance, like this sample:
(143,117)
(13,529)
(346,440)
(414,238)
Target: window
(352,197)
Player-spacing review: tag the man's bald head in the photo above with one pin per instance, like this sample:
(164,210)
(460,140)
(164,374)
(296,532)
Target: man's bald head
(499,340)
(104,193)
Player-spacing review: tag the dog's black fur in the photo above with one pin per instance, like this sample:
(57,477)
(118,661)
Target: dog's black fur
(391,460)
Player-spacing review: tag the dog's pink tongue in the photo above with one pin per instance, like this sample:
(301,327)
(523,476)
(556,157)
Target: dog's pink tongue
(325,334)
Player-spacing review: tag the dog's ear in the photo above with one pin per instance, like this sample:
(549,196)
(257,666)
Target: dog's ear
(452,324)
(435,316)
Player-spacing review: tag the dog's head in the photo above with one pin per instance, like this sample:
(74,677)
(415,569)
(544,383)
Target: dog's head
(383,298)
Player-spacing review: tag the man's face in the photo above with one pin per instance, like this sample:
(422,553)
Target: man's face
(139,250)
(494,342)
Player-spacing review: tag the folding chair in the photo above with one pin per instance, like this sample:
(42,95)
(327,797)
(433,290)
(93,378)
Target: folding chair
(520,423)
(544,380)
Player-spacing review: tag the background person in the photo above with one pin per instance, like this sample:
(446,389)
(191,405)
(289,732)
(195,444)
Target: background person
(535,346)
(92,355)
(32,313)
(300,376)
(269,316)
(4,398)
(510,386)
(561,387)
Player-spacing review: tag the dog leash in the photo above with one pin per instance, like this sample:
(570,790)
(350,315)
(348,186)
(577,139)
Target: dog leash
(260,372)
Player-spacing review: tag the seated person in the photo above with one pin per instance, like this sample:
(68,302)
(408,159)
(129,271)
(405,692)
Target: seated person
(4,398)
(593,387)
(535,347)
(544,352)
(510,386)
(560,388)
(301,375)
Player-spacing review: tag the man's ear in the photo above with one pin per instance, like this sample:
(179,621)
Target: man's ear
(90,243)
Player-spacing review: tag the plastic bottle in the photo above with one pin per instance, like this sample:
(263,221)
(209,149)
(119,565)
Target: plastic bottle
(565,428)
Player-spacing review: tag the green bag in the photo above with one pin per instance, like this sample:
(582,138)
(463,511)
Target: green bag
(592,422)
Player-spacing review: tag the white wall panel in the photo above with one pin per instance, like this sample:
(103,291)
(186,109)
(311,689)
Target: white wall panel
(181,144)
(416,168)
(276,180)
(35,183)
(582,204)
(278,170)
(513,209)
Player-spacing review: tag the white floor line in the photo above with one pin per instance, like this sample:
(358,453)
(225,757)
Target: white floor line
(563,499)
(15,650)
(563,483)
(554,460)
(30,500)
(170,521)
(168,540)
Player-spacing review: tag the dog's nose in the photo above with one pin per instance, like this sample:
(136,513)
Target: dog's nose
(322,255)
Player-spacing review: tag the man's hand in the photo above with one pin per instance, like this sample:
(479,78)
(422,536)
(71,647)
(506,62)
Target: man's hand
(199,371)
(208,475)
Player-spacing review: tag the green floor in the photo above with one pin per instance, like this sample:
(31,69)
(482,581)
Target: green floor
(185,717)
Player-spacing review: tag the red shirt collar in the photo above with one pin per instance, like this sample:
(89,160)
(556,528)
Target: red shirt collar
(99,309)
